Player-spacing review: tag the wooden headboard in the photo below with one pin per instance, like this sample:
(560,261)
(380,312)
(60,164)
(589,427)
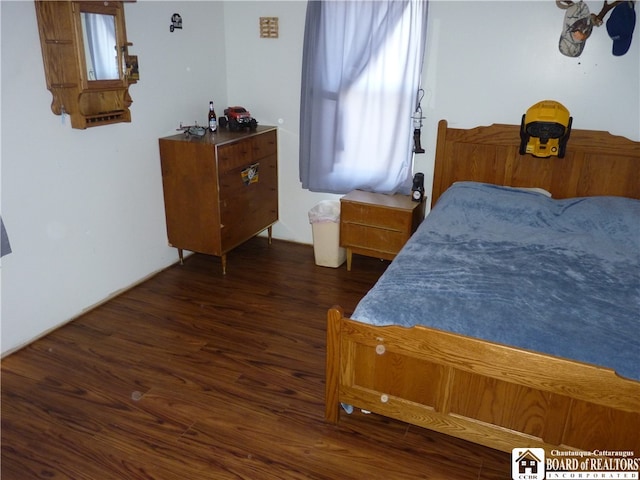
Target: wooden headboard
(595,163)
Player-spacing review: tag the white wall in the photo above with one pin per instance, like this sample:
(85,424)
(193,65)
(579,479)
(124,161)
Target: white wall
(264,74)
(488,62)
(84,209)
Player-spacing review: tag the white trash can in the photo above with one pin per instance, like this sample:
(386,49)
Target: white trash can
(325,224)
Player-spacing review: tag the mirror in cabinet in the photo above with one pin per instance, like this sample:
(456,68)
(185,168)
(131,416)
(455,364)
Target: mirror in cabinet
(87,64)
(100,46)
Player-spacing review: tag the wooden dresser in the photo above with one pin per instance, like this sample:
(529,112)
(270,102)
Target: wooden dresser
(377,225)
(220,189)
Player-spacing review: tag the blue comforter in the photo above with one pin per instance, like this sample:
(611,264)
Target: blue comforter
(516,267)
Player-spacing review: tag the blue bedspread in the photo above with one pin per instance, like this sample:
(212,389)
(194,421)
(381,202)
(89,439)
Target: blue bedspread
(519,268)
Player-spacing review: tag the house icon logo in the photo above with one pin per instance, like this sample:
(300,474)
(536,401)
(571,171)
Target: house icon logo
(527,464)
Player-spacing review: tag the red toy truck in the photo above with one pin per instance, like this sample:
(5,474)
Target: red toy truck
(237,118)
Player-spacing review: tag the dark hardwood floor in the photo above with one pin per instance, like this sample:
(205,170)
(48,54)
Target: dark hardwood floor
(195,375)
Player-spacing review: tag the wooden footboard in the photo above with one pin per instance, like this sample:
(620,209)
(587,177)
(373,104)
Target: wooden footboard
(489,394)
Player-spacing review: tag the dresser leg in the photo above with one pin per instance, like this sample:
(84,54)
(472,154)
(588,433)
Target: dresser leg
(269,233)
(181,256)
(349,257)
(223,258)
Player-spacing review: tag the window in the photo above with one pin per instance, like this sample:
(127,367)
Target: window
(361,74)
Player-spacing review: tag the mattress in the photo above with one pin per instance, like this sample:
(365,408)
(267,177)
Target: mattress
(519,268)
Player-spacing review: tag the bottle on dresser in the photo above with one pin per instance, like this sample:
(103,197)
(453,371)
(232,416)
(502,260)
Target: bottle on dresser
(213,122)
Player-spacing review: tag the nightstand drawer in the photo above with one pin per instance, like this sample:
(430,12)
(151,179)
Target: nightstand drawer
(364,214)
(371,238)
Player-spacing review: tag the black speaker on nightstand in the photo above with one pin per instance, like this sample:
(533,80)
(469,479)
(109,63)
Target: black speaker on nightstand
(417,190)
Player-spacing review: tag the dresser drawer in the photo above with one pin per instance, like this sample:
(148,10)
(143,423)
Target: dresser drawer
(374,216)
(264,145)
(234,155)
(246,207)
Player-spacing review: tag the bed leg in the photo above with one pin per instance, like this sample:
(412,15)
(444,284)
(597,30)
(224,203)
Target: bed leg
(332,405)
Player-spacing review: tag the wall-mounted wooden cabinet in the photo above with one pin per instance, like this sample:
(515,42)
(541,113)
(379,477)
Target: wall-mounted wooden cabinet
(87,65)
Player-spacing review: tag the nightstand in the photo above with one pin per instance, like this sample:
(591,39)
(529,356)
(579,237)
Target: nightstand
(377,225)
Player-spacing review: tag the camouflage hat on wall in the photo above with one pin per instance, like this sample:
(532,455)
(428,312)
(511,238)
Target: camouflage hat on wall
(576,29)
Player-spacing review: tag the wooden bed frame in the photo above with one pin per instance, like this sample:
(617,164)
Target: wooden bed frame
(491,394)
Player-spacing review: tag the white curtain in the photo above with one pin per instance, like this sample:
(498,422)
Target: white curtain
(362,63)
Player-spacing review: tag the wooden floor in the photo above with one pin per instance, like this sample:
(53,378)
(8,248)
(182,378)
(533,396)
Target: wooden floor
(195,375)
